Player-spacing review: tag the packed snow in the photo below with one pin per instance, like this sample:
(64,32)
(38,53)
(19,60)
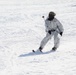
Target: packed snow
(22,29)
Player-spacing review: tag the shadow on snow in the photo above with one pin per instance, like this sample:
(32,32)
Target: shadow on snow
(32,53)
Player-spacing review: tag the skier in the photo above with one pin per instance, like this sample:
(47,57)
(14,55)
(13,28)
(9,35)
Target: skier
(53,28)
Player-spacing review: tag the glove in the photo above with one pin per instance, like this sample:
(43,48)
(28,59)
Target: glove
(49,31)
(61,33)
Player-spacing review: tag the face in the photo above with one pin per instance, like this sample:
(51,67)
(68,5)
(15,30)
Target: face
(50,17)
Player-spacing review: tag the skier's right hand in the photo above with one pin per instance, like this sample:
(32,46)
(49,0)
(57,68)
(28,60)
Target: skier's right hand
(49,31)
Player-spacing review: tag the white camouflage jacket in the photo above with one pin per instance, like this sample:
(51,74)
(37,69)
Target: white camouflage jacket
(53,25)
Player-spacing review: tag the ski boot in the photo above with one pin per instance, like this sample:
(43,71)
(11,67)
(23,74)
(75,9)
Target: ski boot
(54,49)
(39,50)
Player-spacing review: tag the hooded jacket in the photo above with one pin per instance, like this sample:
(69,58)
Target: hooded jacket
(53,25)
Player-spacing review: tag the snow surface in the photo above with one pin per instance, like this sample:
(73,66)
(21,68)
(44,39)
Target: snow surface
(22,29)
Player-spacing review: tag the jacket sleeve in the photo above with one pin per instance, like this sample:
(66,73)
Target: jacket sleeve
(60,26)
(46,26)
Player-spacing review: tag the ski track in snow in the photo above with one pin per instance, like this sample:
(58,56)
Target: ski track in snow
(22,29)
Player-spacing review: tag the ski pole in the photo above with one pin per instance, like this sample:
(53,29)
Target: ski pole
(43,17)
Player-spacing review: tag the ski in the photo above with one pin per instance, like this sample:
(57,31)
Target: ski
(40,52)
(36,51)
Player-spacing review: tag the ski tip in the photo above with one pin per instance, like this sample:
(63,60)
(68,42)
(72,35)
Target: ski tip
(33,51)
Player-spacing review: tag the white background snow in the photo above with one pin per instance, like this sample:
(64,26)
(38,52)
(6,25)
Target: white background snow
(22,29)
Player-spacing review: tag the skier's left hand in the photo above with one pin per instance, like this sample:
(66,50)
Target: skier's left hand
(61,33)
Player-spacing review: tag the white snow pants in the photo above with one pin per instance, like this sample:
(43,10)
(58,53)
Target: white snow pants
(48,37)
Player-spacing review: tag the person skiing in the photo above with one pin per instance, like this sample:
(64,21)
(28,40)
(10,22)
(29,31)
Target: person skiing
(53,27)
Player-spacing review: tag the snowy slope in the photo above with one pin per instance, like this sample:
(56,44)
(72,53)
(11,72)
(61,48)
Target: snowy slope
(22,29)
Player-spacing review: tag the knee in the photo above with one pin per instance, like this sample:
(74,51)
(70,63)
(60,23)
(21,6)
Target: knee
(57,39)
